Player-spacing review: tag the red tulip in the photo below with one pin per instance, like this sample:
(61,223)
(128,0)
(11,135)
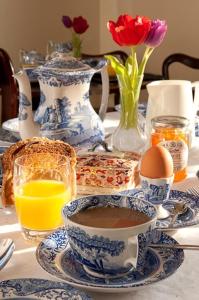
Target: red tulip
(80,25)
(128,31)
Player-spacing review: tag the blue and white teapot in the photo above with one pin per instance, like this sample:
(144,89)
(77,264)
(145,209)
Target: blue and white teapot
(64,111)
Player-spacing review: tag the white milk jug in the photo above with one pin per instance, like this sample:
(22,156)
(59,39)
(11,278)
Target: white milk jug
(172,98)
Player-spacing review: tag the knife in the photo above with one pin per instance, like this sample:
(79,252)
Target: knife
(6,250)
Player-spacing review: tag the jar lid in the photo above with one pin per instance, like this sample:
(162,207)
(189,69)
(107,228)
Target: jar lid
(170,121)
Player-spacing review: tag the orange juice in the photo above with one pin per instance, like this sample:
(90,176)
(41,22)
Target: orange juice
(39,204)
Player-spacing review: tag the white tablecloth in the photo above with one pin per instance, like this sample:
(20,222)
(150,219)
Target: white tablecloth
(182,285)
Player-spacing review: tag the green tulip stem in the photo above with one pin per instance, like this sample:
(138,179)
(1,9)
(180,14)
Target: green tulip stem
(145,58)
(129,105)
(77,45)
(134,66)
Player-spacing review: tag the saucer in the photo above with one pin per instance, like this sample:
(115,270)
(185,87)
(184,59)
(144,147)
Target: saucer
(56,257)
(189,218)
(30,288)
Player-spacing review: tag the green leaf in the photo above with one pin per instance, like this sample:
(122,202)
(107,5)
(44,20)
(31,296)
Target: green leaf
(129,65)
(120,70)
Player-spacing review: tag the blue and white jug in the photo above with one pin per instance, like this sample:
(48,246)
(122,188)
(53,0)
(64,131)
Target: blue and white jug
(64,111)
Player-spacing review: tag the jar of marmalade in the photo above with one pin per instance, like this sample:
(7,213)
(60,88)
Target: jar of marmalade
(173,133)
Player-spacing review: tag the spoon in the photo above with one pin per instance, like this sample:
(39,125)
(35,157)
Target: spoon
(175,246)
(179,208)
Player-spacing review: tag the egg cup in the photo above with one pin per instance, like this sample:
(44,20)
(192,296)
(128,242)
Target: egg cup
(156,191)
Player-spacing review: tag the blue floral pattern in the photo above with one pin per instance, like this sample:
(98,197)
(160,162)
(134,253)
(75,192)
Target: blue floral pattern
(59,79)
(97,248)
(65,72)
(189,218)
(154,193)
(40,289)
(69,116)
(153,266)
(59,63)
(109,200)
(99,243)
(24,102)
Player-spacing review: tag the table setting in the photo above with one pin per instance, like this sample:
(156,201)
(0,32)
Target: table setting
(101,206)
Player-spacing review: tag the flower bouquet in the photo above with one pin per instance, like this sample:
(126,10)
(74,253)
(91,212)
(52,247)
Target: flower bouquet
(129,31)
(78,25)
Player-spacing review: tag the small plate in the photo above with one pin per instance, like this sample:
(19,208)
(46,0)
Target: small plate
(30,288)
(55,256)
(189,218)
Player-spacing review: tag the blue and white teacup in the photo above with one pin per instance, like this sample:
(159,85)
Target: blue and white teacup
(107,251)
(156,191)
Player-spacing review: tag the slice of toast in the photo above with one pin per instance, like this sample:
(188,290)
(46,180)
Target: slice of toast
(29,146)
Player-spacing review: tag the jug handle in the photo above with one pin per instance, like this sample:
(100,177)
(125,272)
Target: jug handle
(105,93)
(195,85)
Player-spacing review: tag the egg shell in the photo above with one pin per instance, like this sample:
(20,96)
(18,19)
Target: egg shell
(156,162)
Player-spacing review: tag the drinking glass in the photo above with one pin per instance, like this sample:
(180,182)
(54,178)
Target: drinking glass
(41,189)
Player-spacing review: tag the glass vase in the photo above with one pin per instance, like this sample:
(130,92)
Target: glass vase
(130,133)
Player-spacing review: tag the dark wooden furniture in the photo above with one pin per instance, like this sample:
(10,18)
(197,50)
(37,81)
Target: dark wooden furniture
(184,59)
(8,86)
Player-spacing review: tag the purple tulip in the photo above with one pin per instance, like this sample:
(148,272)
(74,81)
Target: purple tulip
(156,33)
(66,20)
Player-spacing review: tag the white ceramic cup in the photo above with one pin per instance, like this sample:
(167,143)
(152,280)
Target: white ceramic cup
(107,251)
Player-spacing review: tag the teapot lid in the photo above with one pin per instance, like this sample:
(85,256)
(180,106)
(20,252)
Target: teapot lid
(63,63)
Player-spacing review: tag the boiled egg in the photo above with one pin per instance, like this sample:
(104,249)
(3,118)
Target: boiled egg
(156,162)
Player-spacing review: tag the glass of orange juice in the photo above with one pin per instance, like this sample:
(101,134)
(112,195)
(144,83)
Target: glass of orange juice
(41,189)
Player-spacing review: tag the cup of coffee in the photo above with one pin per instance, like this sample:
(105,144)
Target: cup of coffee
(103,231)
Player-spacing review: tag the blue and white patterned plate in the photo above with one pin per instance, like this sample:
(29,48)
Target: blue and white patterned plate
(30,288)
(189,218)
(55,256)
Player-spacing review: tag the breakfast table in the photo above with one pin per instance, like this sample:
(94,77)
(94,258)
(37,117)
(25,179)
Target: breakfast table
(183,284)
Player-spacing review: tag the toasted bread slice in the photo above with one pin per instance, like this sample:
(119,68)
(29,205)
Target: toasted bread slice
(29,146)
